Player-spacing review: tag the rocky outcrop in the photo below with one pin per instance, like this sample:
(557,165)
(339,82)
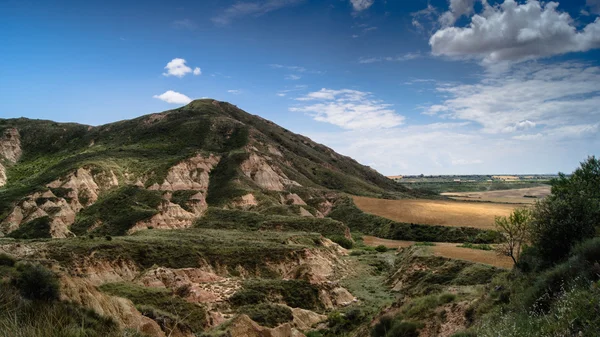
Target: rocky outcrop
(169,216)
(306,319)
(245,201)
(190,174)
(121,310)
(61,202)
(10,151)
(266,176)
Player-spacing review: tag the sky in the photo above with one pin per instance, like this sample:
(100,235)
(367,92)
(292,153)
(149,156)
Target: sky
(406,87)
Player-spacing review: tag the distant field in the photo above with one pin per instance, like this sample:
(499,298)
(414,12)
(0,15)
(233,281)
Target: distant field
(449,250)
(517,196)
(436,212)
(447,185)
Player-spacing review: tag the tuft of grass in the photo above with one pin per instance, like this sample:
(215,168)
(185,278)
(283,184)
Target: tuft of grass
(427,244)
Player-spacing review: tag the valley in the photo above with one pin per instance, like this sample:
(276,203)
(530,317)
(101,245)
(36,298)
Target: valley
(209,221)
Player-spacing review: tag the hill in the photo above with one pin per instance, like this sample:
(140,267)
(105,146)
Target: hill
(164,170)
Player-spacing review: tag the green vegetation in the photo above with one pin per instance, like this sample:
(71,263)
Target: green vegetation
(395,326)
(189,248)
(476,246)
(424,244)
(117,211)
(173,310)
(34,229)
(516,230)
(345,210)
(37,283)
(441,184)
(267,314)
(244,220)
(295,293)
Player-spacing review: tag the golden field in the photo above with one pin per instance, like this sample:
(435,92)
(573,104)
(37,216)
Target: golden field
(516,196)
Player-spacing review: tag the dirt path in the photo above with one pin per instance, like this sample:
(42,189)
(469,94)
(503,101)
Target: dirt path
(436,212)
(449,250)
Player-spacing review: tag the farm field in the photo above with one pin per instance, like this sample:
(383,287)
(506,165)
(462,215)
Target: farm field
(436,212)
(448,250)
(516,196)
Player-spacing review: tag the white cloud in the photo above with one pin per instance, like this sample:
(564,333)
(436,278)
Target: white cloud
(516,32)
(251,8)
(177,67)
(401,58)
(361,5)
(173,97)
(594,6)
(530,95)
(293,77)
(185,24)
(348,109)
(457,9)
(426,20)
(197,71)
(234,91)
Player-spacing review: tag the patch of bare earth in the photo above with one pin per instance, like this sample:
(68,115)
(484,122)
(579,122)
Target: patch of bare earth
(448,250)
(436,212)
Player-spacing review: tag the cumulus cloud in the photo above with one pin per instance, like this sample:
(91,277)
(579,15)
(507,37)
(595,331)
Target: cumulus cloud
(400,58)
(530,96)
(197,71)
(515,32)
(458,8)
(251,8)
(177,67)
(361,5)
(348,109)
(173,97)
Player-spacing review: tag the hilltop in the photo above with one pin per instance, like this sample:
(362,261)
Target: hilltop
(164,170)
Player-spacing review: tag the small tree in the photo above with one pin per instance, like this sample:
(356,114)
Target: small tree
(516,229)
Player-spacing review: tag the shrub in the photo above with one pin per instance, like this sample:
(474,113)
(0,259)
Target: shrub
(342,241)
(424,244)
(37,283)
(34,229)
(393,327)
(381,248)
(267,314)
(7,260)
(247,296)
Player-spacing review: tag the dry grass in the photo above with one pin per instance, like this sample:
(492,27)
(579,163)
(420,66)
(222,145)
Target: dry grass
(516,196)
(449,250)
(436,212)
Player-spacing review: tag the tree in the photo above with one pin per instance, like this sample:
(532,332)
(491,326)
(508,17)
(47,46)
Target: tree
(516,231)
(569,215)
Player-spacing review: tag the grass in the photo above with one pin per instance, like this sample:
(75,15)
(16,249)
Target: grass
(295,293)
(345,210)
(118,211)
(267,314)
(253,221)
(34,229)
(156,302)
(190,248)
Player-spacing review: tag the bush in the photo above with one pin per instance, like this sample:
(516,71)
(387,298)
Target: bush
(247,296)
(394,327)
(381,248)
(7,260)
(267,314)
(342,241)
(37,283)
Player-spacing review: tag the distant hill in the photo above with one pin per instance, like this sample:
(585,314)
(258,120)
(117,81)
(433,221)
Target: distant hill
(164,170)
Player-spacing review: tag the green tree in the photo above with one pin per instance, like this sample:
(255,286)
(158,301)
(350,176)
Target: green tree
(516,231)
(569,215)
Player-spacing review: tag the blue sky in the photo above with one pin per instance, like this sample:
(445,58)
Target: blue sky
(407,87)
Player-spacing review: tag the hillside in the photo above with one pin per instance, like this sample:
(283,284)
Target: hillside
(164,170)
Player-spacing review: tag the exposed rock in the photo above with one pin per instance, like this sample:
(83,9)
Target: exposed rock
(3,178)
(264,175)
(190,174)
(273,150)
(306,319)
(81,190)
(10,145)
(243,326)
(170,216)
(294,199)
(304,212)
(98,271)
(121,310)
(245,201)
